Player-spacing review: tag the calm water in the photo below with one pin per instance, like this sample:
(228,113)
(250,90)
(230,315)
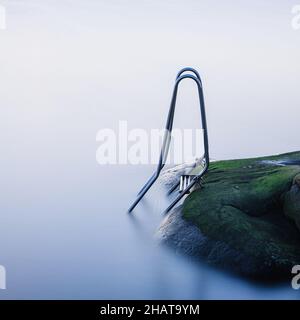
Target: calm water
(69,69)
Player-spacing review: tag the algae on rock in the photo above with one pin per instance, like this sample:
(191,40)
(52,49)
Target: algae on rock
(251,206)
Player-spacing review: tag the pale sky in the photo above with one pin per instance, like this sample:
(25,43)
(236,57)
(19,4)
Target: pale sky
(70,64)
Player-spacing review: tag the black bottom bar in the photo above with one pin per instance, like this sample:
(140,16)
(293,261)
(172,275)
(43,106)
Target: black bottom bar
(136,309)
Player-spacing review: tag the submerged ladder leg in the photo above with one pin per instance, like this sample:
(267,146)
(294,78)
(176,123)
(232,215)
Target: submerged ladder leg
(147,183)
(142,193)
(181,195)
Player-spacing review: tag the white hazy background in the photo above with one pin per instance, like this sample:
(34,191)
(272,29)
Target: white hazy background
(70,68)
(121,57)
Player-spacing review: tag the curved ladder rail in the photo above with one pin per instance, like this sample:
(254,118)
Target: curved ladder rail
(196,73)
(167,138)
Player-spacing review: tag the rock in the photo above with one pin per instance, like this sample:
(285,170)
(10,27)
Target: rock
(170,176)
(291,206)
(297,180)
(244,218)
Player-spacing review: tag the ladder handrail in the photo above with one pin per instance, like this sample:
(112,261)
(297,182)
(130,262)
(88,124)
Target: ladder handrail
(202,108)
(189,69)
(167,137)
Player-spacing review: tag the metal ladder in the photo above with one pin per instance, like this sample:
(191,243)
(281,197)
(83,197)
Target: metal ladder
(187,181)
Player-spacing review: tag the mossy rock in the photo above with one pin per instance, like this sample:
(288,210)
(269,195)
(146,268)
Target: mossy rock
(252,208)
(291,206)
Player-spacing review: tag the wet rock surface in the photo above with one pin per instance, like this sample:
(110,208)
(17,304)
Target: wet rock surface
(245,218)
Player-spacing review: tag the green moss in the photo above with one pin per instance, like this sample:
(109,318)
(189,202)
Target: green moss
(241,203)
